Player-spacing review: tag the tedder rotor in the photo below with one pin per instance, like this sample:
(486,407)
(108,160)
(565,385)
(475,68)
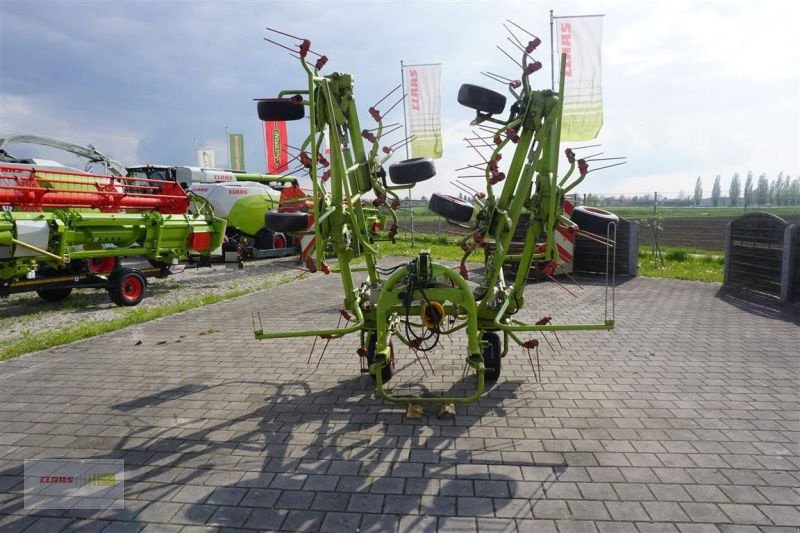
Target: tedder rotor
(418,301)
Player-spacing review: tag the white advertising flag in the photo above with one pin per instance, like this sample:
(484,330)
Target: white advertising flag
(580,38)
(424,109)
(205,158)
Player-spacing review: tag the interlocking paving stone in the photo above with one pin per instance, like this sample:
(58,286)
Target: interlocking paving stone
(685,418)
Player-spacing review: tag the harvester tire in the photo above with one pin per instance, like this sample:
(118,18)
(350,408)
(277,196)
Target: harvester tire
(286,222)
(386,371)
(127,287)
(593,220)
(481,99)
(280,109)
(450,208)
(412,171)
(54,295)
(492,356)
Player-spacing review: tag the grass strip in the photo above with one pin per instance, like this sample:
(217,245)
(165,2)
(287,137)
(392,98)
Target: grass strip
(72,333)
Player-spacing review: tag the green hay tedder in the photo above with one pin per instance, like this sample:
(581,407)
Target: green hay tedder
(421,300)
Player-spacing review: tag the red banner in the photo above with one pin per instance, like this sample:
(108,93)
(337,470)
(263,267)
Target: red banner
(275,139)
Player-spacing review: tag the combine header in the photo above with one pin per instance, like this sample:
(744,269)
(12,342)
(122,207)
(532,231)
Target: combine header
(62,229)
(417,302)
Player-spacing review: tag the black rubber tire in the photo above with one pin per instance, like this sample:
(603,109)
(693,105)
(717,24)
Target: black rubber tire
(481,99)
(54,295)
(492,356)
(451,208)
(593,219)
(286,222)
(127,287)
(412,171)
(280,109)
(386,371)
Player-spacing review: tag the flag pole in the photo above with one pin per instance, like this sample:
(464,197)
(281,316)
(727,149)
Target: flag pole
(552,53)
(405,120)
(228,145)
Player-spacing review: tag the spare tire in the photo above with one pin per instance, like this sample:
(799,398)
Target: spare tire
(450,208)
(412,171)
(481,99)
(286,222)
(280,109)
(593,219)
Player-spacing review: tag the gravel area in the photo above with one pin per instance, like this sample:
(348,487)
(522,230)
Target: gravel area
(26,314)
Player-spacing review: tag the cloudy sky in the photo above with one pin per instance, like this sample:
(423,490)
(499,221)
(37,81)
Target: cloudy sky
(690,88)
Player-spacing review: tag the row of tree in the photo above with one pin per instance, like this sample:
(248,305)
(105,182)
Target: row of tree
(780,191)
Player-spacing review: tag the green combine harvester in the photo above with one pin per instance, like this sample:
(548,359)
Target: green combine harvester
(62,229)
(417,302)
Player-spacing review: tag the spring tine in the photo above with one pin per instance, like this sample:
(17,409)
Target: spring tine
(509,56)
(507,80)
(313,345)
(538,363)
(521,28)
(328,341)
(591,156)
(608,166)
(394,129)
(395,105)
(285,34)
(605,158)
(561,285)
(521,48)
(559,340)
(494,79)
(293,37)
(518,42)
(469,176)
(416,356)
(385,126)
(469,166)
(291,50)
(470,188)
(387,95)
(564,271)
(585,147)
(478,151)
(392,146)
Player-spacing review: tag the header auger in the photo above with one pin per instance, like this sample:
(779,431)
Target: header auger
(417,302)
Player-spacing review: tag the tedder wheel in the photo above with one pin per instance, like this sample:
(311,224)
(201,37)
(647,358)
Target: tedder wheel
(54,295)
(412,171)
(386,371)
(492,356)
(103,265)
(481,99)
(280,109)
(127,287)
(593,220)
(286,222)
(450,208)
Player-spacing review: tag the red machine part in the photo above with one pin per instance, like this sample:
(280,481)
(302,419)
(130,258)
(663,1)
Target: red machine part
(33,190)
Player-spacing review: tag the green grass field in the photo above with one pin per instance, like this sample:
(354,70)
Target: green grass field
(422,213)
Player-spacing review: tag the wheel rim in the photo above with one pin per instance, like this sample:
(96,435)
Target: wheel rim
(132,288)
(102,265)
(279,241)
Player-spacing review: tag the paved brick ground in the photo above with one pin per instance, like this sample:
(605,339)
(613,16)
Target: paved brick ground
(683,419)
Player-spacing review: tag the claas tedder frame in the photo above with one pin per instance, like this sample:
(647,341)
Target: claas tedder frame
(417,302)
